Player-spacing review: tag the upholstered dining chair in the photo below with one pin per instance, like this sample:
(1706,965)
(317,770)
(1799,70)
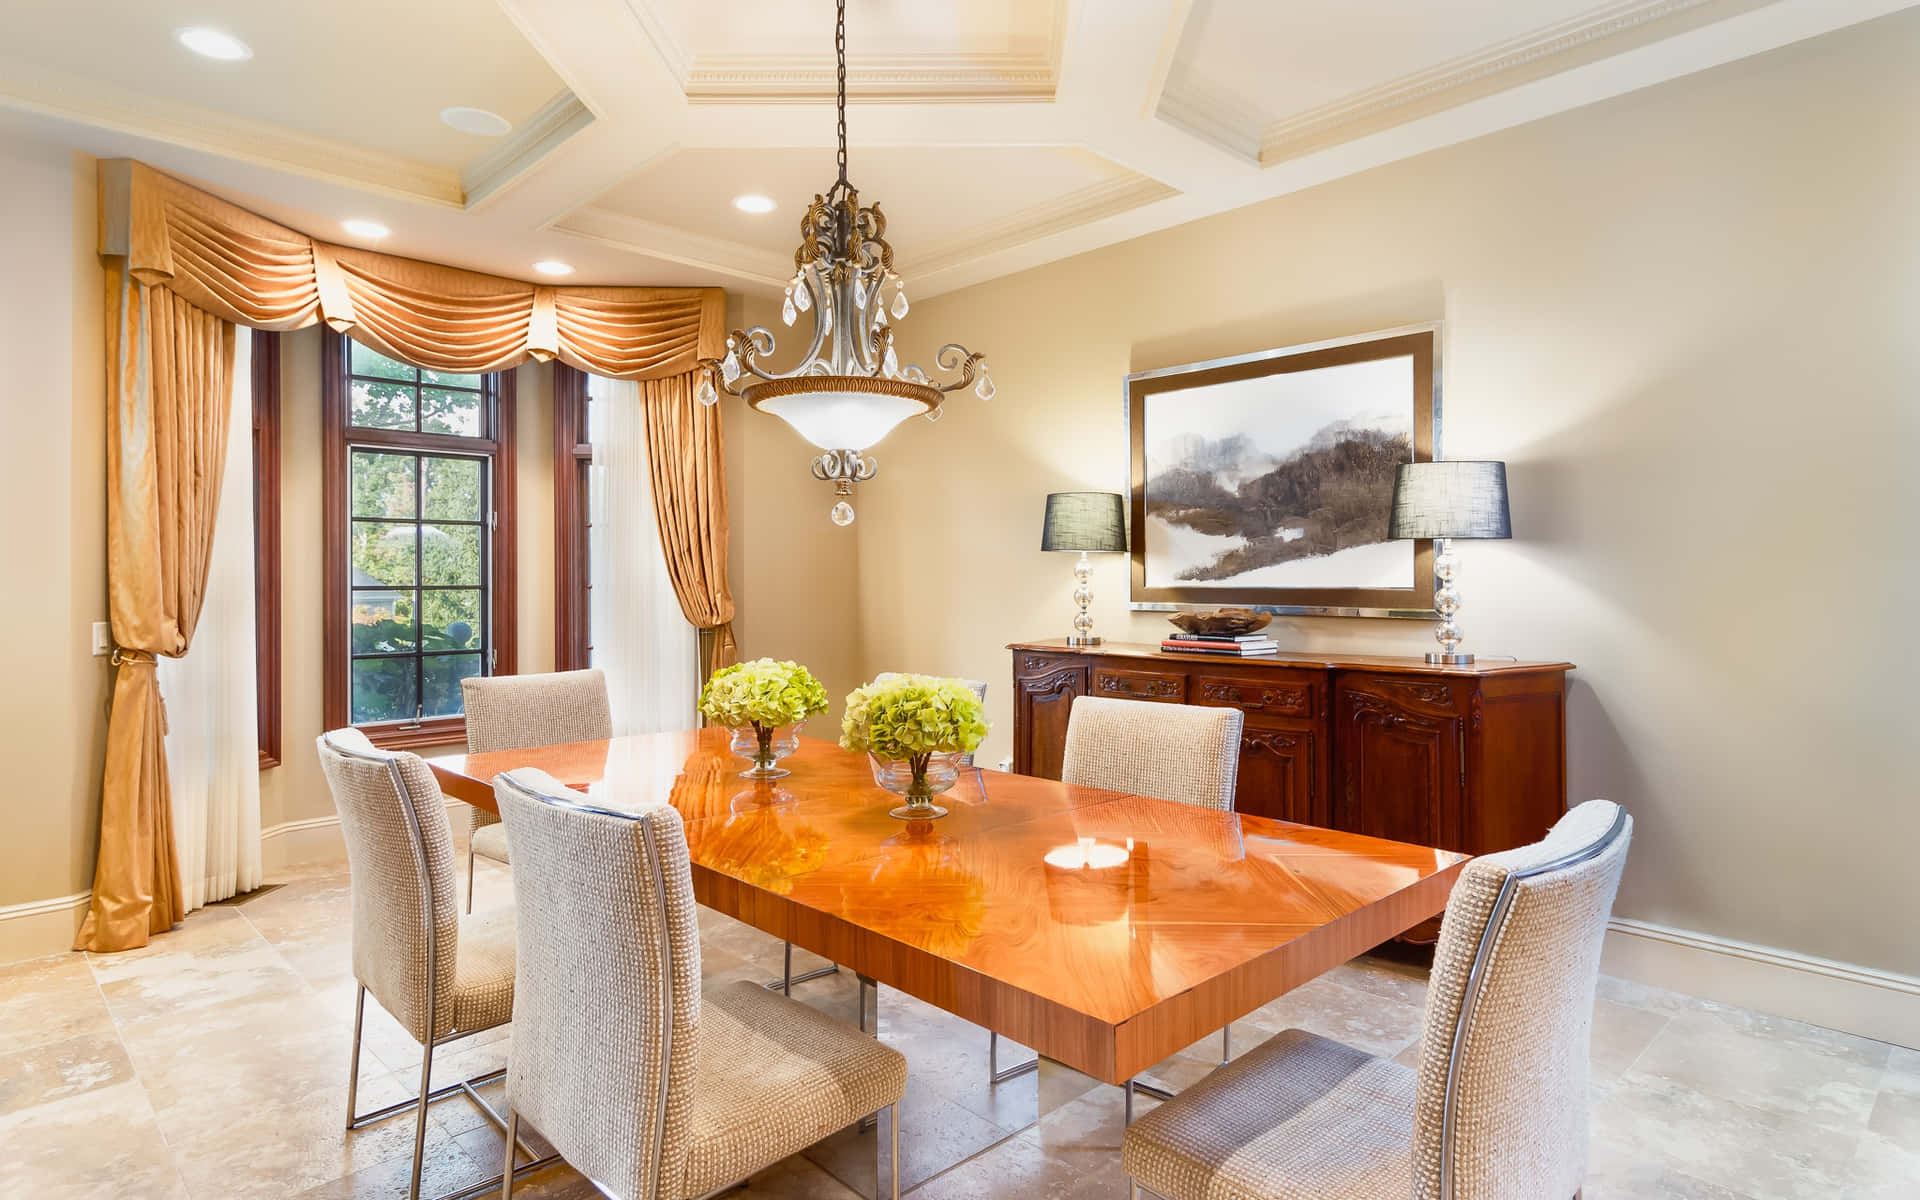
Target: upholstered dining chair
(510,712)
(442,977)
(1180,752)
(644,1085)
(1498,1107)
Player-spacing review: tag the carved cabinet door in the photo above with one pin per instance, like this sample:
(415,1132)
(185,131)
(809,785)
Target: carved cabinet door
(1401,760)
(1278,773)
(1044,690)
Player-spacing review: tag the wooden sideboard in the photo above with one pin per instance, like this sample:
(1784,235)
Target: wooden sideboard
(1465,758)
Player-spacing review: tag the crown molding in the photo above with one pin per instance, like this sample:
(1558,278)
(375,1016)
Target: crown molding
(1212,115)
(558,120)
(764,269)
(1082,206)
(108,105)
(900,79)
(1594,35)
(674,55)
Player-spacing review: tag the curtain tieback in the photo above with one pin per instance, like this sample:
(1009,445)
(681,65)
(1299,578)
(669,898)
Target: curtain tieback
(126,656)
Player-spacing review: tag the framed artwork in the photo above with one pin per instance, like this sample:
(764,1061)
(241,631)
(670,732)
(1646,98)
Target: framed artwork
(1265,480)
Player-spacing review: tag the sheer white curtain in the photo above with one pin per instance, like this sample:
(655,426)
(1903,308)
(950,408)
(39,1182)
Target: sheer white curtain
(641,639)
(213,743)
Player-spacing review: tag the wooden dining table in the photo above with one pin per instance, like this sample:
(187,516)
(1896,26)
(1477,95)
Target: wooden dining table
(1105,930)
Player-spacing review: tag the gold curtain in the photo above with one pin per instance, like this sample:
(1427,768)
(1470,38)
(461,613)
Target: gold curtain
(686,465)
(248,270)
(170,391)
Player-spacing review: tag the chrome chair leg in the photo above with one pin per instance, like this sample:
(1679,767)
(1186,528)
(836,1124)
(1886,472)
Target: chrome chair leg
(1133,1189)
(893,1119)
(1226,1044)
(420,1121)
(871,1027)
(994,1074)
(506,1169)
(469,872)
(353,1063)
(1127,1087)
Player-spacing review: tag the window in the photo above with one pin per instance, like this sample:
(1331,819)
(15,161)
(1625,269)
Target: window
(266,539)
(573,573)
(420,579)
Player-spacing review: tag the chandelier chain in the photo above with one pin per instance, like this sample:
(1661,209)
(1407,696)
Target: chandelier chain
(840,82)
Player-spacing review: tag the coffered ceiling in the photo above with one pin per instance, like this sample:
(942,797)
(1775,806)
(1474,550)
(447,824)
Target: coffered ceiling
(998,134)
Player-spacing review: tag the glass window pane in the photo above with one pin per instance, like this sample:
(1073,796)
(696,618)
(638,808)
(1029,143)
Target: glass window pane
(450,555)
(443,674)
(367,361)
(449,379)
(383,621)
(382,484)
(383,689)
(381,553)
(379,405)
(452,620)
(453,488)
(445,411)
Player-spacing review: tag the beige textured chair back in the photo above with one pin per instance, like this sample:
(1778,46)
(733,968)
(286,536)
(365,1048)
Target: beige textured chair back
(507,712)
(607,984)
(400,867)
(1177,752)
(978,689)
(1502,1096)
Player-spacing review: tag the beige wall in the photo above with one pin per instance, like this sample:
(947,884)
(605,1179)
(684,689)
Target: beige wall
(52,486)
(1687,319)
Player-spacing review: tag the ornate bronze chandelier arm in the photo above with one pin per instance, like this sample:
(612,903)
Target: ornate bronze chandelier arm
(954,356)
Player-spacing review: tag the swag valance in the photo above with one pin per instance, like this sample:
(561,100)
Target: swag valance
(243,268)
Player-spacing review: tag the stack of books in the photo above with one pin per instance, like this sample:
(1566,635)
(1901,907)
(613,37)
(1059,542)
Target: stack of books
(1239,645)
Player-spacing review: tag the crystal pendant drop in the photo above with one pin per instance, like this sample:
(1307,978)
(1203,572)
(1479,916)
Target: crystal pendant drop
(705,393)
(880,319)
(730,367)
(985,389)
(890,364)
(859,290)
(900,302)
(787,310)
(802,295)
(933,414)
(826,319)
(842,514)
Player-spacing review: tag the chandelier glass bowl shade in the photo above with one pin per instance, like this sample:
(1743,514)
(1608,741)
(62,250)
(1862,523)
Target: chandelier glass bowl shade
(849,389)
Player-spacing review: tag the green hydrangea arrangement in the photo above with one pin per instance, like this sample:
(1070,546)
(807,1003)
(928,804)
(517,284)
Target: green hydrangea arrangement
(763,693)
(908,717)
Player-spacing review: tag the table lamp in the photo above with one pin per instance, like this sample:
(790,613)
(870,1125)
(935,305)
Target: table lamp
(1092,523)
(1443,501)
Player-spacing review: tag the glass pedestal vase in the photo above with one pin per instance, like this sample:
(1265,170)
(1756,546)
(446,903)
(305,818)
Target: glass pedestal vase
(918,780)
(764,746)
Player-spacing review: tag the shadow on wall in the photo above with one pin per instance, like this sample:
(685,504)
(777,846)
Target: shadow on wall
(1417,303)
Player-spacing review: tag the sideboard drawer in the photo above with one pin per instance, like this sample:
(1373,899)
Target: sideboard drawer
(1134,684)
(1027,663)
(1271,697)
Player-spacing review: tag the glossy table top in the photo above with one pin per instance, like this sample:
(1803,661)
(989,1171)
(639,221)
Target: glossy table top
(1102,929)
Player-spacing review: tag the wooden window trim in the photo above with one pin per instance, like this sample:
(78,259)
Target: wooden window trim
(572,571)
(266,541)
(503,590)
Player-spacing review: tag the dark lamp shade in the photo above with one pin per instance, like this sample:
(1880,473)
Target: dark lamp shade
(1454,499)
(1091,521)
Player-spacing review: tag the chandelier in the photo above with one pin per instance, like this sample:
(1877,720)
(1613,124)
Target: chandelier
(849,390)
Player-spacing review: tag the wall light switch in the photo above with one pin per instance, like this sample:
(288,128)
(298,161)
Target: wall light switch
(102,638)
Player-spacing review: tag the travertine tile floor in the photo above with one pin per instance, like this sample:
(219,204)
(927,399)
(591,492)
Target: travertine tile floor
(211,1066)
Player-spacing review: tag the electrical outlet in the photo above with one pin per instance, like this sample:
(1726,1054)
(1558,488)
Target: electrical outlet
(102,638)
(1006,764)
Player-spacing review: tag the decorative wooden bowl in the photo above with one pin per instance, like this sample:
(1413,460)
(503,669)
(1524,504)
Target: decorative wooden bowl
(1221,620)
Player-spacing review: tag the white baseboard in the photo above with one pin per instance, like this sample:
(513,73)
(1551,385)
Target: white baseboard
(1859,1000)
(318,839)
(41,927)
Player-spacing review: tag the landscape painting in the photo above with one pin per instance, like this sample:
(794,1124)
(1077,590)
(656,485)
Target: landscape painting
(1267,480)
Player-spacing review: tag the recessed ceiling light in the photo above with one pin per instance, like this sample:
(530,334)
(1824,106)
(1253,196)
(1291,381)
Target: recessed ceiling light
(212,43)
(548,266)
(477,121)
(753,202)
(366,229)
